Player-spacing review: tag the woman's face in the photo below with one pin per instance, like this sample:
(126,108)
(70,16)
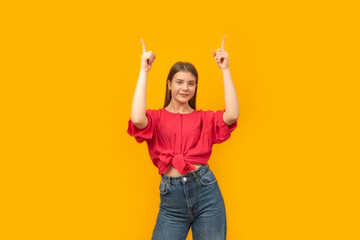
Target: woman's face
(182,86)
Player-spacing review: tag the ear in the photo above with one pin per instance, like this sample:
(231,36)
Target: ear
(168,82)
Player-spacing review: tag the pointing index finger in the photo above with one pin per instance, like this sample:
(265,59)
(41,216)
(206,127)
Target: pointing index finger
(223,43)
(144,48)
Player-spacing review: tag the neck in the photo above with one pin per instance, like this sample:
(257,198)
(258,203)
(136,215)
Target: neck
(179,108)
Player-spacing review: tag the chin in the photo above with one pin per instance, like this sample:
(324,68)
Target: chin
(182,100)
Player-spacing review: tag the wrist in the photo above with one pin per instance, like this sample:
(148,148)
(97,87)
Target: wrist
(143,71)
(225,70)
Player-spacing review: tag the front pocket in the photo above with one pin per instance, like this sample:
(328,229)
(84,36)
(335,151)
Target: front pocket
(208,178)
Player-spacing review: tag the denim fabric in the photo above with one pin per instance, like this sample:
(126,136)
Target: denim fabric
(193,200)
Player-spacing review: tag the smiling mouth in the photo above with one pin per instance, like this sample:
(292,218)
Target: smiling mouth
(184,95)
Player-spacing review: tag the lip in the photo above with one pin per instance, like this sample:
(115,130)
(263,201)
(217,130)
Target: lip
(184,95)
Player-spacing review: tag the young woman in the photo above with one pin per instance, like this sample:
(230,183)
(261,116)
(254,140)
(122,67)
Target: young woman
(179,140)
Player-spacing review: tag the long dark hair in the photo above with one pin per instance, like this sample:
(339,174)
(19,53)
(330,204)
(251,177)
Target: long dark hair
(181,66)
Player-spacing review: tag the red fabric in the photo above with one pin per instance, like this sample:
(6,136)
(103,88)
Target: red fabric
(181,139)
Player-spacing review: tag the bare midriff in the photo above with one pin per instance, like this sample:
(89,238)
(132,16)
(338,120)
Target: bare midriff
(173,172)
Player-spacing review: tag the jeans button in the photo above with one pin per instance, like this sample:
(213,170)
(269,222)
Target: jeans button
(184,179)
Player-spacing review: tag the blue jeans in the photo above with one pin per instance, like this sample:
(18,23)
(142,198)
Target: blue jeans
(191,200)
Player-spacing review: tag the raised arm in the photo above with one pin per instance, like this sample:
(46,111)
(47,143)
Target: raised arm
(138,107)
(232,111)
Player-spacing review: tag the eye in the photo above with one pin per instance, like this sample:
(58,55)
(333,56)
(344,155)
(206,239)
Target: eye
(191,84)
(179,82)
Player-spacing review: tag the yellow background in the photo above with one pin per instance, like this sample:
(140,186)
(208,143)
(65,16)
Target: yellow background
(68,73)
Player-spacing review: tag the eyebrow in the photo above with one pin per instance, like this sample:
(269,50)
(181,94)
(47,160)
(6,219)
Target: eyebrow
(183,80)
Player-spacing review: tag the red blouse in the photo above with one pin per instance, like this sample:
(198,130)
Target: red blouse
(181,139)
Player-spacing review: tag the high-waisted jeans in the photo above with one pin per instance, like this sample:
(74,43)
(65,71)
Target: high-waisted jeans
(192,200)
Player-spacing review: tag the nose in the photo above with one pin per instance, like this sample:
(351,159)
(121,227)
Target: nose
(185,87)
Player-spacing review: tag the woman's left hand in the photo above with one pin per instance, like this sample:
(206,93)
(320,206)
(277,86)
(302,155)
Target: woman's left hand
(221,56)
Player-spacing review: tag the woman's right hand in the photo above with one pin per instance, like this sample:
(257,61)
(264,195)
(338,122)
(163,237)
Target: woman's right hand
(147,59)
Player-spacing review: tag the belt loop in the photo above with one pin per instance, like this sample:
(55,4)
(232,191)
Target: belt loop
(195,176)
(169,181)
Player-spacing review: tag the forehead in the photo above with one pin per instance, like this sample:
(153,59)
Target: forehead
(186,76)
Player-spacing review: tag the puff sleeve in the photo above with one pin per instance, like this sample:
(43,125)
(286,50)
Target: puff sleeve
(218,130)
(143,134)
